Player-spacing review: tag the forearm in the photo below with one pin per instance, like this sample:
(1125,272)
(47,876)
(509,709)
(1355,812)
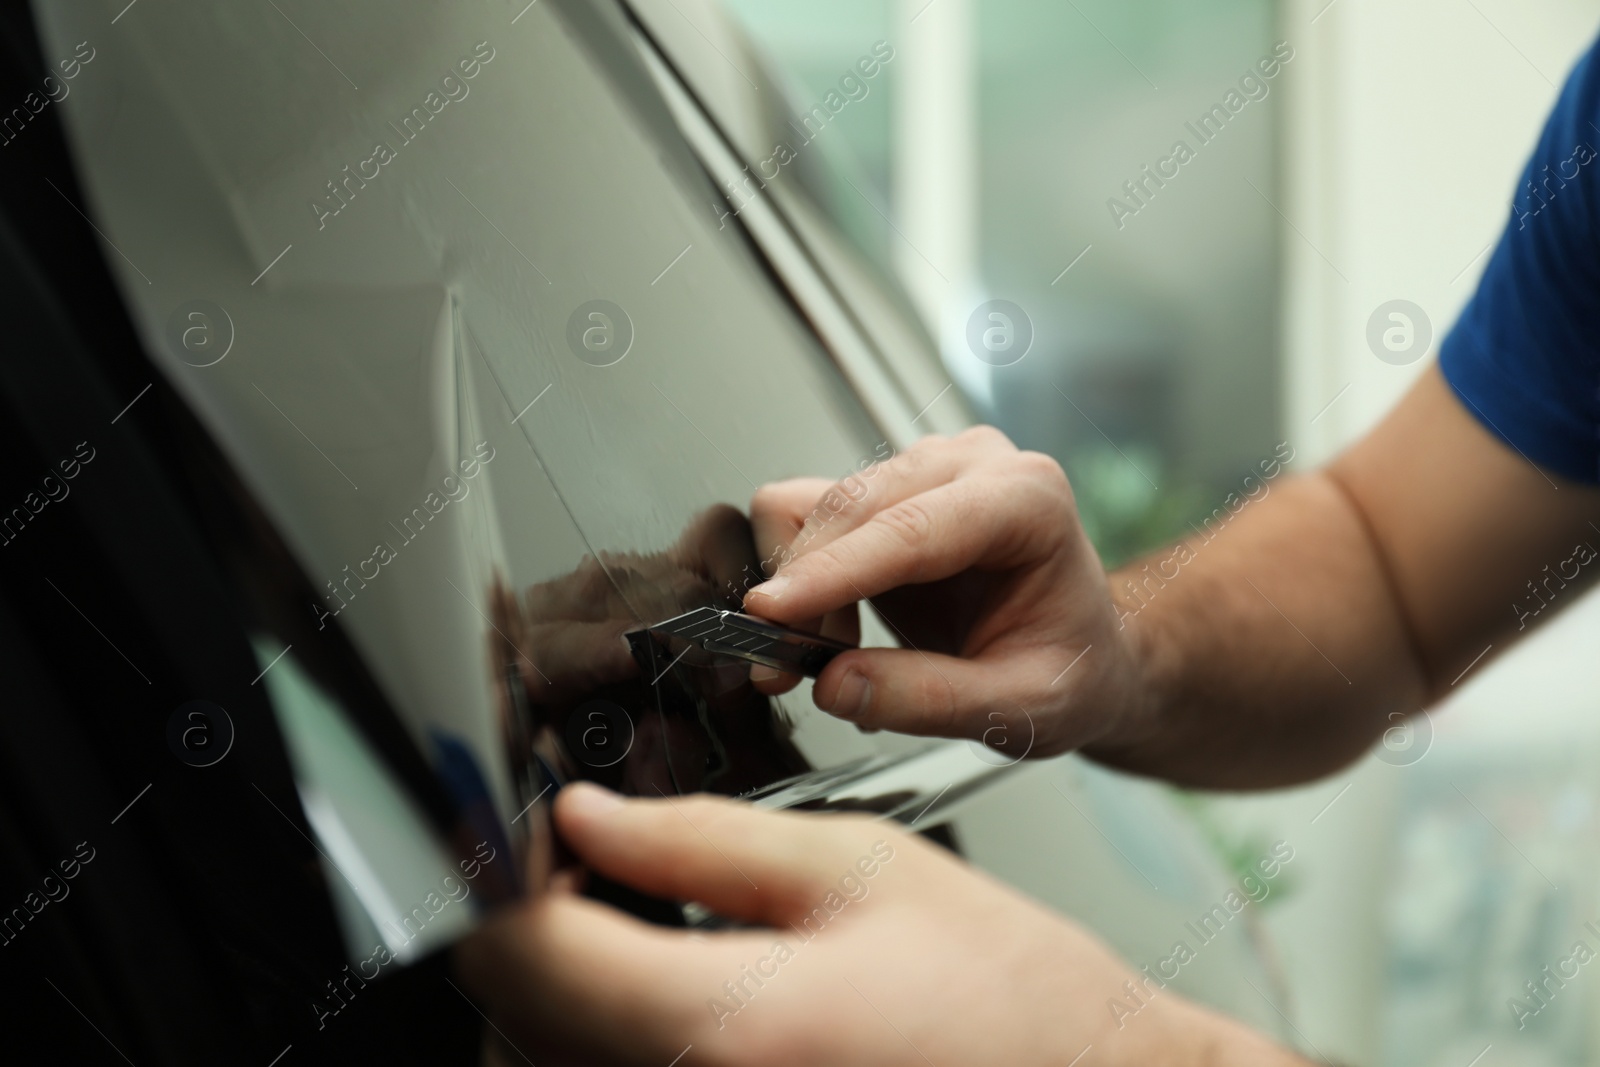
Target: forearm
(1301,626)
(1272,648)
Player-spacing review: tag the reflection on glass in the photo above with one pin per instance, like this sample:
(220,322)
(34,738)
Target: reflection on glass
(617,705)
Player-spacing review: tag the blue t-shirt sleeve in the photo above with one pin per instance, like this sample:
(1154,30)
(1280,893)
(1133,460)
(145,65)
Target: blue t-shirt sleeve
(1525,355)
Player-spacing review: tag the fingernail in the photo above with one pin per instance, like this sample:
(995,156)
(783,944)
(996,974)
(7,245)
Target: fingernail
(850,700)
(762,673)
(586,798)
(773,587)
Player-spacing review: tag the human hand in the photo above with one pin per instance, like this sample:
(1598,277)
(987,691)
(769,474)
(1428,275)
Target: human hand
(874,948)
(974,554)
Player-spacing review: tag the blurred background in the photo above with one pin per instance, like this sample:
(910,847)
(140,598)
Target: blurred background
(1163,331)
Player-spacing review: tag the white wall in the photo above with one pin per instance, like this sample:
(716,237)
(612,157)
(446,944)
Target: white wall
(1407,127)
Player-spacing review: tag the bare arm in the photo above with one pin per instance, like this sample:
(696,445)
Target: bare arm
(1349,595)
(1275,652)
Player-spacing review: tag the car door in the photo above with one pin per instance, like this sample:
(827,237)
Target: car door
(460,297)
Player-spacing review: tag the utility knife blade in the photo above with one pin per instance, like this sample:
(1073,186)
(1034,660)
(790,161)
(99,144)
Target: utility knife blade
(753,640)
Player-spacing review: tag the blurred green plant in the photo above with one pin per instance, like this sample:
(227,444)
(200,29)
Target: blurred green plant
(1238,851)
(1123,510)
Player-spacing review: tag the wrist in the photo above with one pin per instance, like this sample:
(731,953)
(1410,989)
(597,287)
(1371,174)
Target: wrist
(1135,712)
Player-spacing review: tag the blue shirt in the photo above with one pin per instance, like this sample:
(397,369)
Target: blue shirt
(1525,355)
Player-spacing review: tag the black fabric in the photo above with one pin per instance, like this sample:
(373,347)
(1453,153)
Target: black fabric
(200,929)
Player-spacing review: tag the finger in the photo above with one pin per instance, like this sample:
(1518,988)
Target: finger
(578,981)
(986,699)
(850,502)
(778,512)
(928,537)
(843,625)
(809,513)
(743,862)
(771,681)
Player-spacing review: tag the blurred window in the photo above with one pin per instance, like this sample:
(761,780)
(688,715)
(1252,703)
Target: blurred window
(1153,373)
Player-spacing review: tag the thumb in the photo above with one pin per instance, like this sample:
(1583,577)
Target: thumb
(578,982)
(746,863)
(992,699)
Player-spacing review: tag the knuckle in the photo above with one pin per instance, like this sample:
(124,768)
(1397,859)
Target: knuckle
(985,435)
(1043,483)
(912,459)
(910,523)
(844,496)
(944,708)
(1041,466)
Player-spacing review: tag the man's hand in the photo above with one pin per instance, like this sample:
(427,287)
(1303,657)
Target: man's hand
(973,552)
(1303,620)
(865,946)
